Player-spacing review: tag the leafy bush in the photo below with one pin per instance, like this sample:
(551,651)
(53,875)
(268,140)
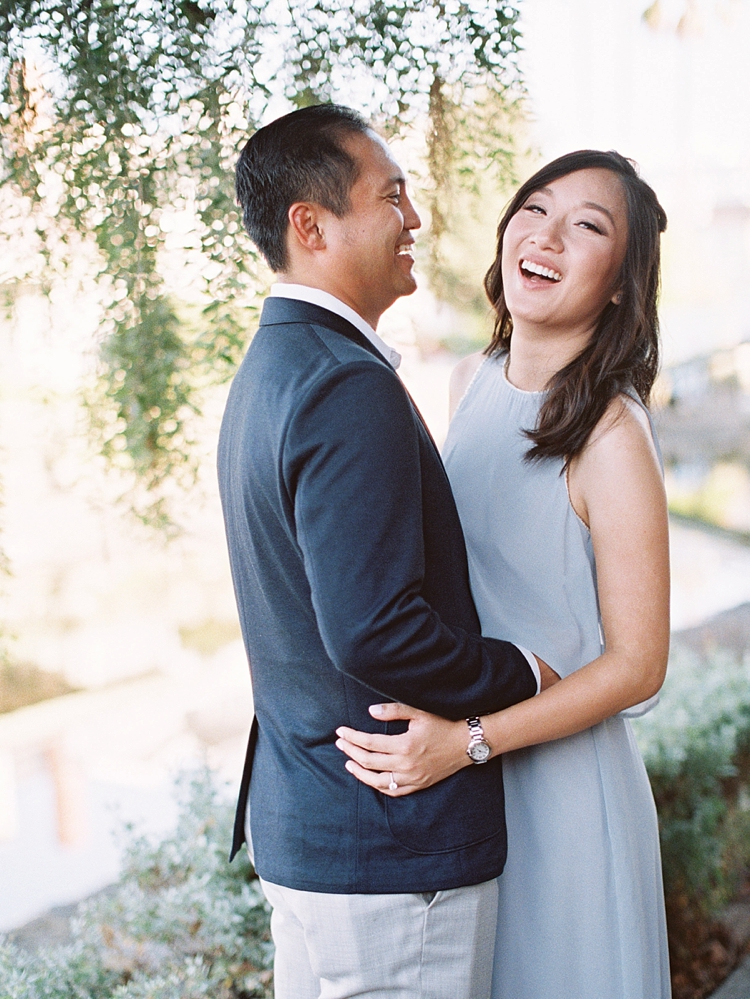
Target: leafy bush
(696,745)
(180,924)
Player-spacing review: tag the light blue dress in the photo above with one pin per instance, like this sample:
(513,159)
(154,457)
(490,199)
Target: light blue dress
(581,911)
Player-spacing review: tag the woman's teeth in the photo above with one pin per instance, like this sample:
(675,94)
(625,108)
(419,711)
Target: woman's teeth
(545,272)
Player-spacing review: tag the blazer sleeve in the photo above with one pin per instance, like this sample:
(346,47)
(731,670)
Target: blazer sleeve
(351,469)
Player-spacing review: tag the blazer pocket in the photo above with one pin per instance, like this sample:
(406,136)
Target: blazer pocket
(463,811)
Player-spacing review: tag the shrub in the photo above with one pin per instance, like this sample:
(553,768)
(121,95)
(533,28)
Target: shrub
(693,744)
(180,924)
(696,746)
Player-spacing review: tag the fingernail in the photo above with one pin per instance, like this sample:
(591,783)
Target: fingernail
(338,744)
(339,731)
(376,709)
(349,766)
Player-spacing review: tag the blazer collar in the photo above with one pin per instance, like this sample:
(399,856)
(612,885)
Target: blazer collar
(279,311)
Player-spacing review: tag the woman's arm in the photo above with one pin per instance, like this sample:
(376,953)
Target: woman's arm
(616,488)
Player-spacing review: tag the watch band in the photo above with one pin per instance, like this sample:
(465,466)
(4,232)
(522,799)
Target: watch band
(476,732)
(478,750)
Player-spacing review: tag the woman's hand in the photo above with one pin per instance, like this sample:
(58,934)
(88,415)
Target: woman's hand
(432,749)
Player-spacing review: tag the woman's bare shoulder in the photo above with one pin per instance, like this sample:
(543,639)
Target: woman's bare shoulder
(625,423)
(463,372)
(620,456)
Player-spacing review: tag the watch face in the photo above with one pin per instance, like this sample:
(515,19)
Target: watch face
(480,752)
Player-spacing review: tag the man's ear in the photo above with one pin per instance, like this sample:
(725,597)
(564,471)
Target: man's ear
(306,225)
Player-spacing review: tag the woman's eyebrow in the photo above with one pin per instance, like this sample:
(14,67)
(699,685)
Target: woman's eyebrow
(600,208)
(586,204)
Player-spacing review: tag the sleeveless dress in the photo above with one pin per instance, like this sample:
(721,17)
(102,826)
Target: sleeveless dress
(581,912)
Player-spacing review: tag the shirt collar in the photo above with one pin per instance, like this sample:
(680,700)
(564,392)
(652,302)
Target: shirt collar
(316,296)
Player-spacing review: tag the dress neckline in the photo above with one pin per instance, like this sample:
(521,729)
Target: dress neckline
(505,358)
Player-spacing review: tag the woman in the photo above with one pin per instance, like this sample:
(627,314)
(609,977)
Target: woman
(557,479)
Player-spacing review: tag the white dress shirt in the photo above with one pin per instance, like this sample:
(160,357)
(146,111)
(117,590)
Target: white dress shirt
(316,296)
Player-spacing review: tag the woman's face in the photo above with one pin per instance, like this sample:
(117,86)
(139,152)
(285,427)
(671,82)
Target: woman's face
(563,251)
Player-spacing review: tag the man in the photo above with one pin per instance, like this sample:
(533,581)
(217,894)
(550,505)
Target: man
(352,585)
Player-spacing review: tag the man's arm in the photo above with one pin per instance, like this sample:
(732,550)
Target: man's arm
(351,466)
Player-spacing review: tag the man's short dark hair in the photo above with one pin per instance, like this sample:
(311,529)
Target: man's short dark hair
(299,157)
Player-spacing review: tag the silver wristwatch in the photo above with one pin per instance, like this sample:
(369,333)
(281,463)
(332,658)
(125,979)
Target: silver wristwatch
(478,750)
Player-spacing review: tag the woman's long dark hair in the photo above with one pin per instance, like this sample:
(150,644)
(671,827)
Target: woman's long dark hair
(623,352)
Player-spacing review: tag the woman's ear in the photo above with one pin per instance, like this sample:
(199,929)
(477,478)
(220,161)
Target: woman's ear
(305,225)
(617,297)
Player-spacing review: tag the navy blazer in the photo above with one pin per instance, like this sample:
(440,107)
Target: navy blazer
(352,585)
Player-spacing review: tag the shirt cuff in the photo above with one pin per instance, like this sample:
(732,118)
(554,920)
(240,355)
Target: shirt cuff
(531,660)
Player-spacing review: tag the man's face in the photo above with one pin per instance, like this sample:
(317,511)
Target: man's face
(369,250)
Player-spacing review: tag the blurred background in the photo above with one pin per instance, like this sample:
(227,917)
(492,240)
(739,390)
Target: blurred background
(122,654)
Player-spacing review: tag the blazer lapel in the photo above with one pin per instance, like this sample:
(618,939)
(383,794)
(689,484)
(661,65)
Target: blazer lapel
(280,311)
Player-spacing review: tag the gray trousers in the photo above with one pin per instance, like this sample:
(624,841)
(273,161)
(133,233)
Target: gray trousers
(434,945)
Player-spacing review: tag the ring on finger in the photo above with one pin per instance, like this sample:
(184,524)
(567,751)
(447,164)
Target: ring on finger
(393,786)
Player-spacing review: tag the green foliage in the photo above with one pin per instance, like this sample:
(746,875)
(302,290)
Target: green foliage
(129,123)
(64,973)
(180,924)
(695,745)
(116,118)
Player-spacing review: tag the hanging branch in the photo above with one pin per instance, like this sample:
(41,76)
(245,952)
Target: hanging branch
(116,114)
